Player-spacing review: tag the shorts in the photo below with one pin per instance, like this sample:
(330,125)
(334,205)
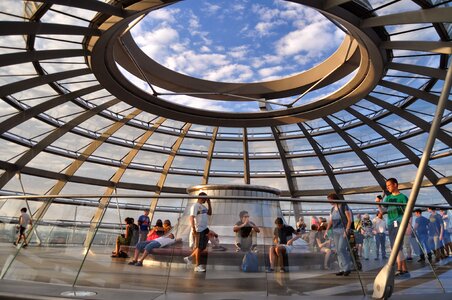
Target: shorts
(22,230)
(201,239)
(288,248)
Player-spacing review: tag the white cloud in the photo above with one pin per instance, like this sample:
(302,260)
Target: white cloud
(210,8)
(205,49)
(154,42)
(313,40)
(267,72)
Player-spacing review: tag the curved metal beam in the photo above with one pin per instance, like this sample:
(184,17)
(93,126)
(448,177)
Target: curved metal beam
(431,15)
(361,154)
(104,202)
(205,177)
(93,5)
(32,28)
(15,87)
(326,166)
(78,162)
(424,46)
(445,192)
(52,137)
(246,158)
(424,125)
(32,112)
(431,98)
(420,70)
(288,169)
(30,56)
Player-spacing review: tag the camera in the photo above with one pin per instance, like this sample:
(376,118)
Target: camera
(379,197)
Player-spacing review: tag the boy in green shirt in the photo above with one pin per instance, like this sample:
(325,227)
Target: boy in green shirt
(395,215)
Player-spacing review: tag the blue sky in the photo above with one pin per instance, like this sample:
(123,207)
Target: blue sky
(236,41)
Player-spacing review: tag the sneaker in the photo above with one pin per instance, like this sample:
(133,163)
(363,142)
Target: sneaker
(270,270)
(384,257)
(346,273)
(376,258)
(200,268)
(187,260)
(15,244)
(25,246)
(340,273)
(421,260)
(282,270)
(132,263)
(409,258)
(139,264)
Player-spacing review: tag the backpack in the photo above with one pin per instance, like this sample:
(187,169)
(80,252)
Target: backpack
(250,262)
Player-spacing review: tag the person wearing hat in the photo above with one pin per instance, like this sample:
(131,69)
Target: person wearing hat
(144,223)
(368,237)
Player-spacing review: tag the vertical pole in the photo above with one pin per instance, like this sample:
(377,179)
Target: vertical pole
(384,282)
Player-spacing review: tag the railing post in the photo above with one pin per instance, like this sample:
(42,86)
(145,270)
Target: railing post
(384,282)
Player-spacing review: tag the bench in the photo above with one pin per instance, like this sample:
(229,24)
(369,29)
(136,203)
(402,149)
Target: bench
(230,257)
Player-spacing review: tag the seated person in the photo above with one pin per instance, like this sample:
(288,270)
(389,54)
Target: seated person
(215,241)
(167,226)
(282,239)
(130,237)
(147,247)
(301,226)
(245,233)
(324,245)
(312,243)
(157,231)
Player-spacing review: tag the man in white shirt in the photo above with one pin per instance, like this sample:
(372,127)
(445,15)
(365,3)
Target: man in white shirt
(379,225)
(199,230)
(24,220)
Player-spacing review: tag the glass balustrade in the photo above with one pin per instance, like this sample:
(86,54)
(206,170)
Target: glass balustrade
(78,252)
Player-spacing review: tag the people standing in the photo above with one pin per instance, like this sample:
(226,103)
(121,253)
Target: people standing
(435,233)
(341,222)
(395,215)
(245,233)
(421,230)
(24,221)
(199,230)
(447,231)
(379,227)
(144,224)
(368,237)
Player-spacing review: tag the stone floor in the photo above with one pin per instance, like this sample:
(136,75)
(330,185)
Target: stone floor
(46,272)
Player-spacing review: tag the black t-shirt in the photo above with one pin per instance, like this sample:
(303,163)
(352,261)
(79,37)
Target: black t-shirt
(245,231)
(284,234)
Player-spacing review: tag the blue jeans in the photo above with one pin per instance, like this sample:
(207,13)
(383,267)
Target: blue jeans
(380,241)
(343,251)
(424,246)
(147,245)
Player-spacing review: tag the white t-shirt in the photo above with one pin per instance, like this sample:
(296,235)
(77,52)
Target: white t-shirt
(165,241)
(199,211)
(379,225)
(24,220)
